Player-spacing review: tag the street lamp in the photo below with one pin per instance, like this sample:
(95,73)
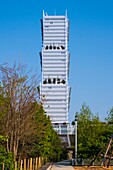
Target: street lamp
(76,139)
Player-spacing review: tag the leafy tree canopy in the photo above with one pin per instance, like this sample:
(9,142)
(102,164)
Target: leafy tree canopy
(93,135)
(22,117)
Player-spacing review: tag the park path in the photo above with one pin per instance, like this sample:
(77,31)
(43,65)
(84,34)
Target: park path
(64,165)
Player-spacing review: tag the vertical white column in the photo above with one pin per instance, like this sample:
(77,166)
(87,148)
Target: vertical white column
(75,139)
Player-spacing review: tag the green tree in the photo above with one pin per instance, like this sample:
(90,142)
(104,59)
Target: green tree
(18,94)
(49,143)
(92,133)
(45,142)
(109,118)
(22,118)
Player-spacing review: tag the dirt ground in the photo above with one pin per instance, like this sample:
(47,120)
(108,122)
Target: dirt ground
(93,168)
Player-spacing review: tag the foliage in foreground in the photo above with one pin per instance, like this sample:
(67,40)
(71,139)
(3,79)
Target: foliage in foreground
(22,117)
(45,142)
(5,157)
(93,135)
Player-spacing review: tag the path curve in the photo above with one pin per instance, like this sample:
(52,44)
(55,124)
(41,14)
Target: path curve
(64,165)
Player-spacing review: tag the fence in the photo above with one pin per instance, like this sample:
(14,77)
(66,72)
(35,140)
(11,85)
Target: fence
(28,164)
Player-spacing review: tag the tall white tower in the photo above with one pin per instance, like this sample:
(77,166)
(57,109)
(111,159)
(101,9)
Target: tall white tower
(55,57)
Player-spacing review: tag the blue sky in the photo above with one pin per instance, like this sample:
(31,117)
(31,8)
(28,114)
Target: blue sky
(90,45)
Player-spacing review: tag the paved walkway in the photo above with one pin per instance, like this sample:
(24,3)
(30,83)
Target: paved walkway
(61,167)
(64,165)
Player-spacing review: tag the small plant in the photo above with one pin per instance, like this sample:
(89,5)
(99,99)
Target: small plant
(58,48)
(49,80)
(62,47)
(54,80)
(58,81)
(50,47)
(46,47)
(63,81)
(54,47)
(45,81)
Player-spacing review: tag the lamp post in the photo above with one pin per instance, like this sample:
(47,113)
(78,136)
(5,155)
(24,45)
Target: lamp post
(76,139)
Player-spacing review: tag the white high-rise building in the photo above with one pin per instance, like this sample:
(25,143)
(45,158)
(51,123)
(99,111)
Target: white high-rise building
(55,57)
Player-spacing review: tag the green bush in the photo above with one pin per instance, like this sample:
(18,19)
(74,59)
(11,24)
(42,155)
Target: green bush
(5,157)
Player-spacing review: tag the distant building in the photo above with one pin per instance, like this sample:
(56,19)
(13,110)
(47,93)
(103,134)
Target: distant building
(55,58)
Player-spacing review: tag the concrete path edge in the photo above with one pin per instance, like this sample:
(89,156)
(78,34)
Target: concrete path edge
(50,166)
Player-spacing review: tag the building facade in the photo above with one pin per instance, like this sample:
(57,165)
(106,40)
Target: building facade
(55,58)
